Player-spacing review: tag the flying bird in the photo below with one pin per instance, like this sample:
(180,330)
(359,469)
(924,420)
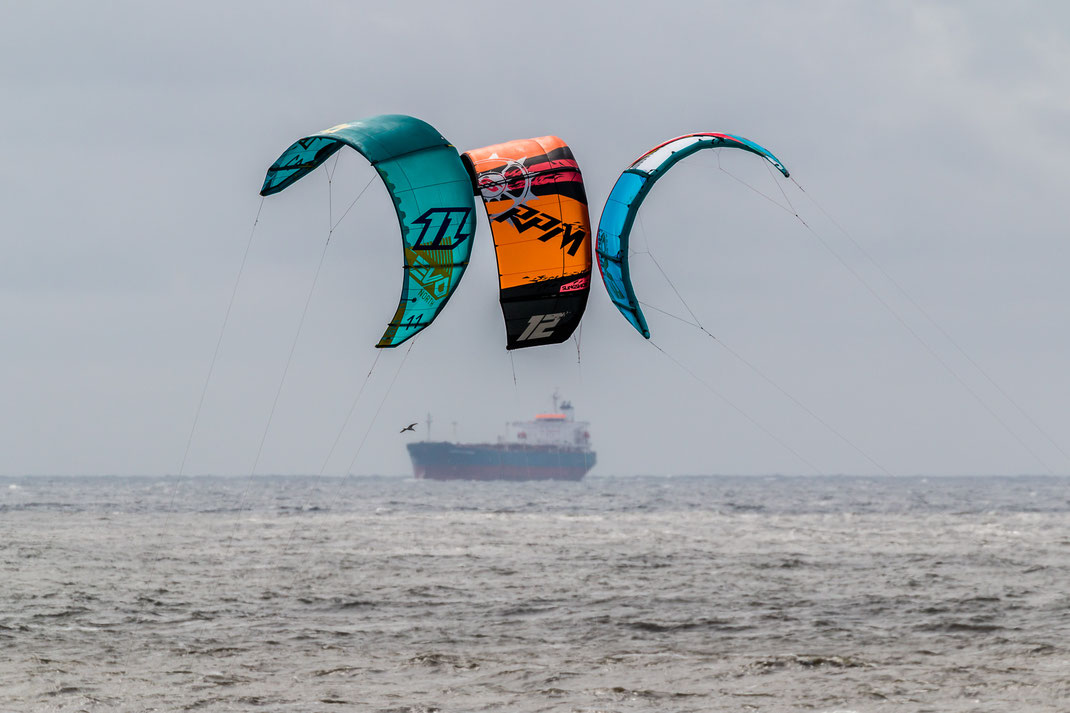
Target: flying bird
(410,427)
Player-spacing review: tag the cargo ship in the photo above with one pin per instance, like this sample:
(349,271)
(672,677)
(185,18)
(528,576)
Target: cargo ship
(554,446)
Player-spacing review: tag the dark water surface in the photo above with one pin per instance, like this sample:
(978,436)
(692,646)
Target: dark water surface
(646,594)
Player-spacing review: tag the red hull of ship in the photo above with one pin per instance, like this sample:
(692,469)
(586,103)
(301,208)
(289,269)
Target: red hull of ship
(496,472)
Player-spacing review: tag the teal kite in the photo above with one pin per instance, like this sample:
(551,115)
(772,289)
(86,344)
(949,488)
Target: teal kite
(432,195)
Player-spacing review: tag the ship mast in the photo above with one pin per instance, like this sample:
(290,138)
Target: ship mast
(428,436)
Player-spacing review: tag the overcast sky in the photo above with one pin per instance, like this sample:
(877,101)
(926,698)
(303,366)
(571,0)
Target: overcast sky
(135,137)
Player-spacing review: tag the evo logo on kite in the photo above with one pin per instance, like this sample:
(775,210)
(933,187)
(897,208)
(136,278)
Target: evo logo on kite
(541,326)
(440,220)
(522,217)
(434,280)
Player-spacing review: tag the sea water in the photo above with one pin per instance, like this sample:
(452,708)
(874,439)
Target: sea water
(612,594)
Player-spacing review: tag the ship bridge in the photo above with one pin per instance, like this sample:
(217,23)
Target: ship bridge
(551,429)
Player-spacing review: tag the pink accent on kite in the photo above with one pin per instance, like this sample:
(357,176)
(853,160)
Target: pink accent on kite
(726,137)
(539,174)
(561,172)
(575,285)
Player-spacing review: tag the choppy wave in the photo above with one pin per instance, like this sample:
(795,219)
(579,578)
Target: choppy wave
(685,594)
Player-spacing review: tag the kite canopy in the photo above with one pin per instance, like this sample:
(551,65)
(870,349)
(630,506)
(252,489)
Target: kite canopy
(432,195)
(537,208)
(623,204)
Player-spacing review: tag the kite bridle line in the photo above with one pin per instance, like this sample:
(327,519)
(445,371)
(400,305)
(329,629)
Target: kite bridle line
(311,290)
(709,387)
(929,318)
(331,229)
(790,208)
(208,378)
(364,439)
(697,323)
(917,337)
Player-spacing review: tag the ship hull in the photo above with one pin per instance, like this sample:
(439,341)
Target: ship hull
(455,461)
